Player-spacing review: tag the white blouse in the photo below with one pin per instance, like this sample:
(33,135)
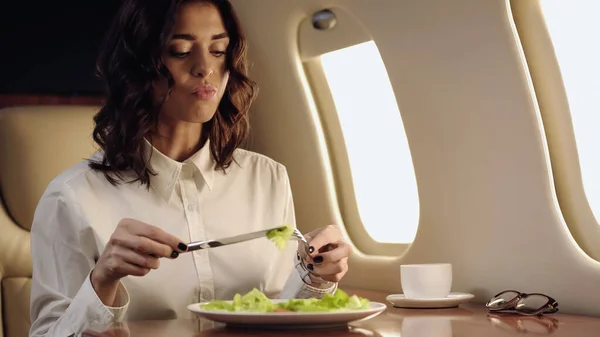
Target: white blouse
(191,200)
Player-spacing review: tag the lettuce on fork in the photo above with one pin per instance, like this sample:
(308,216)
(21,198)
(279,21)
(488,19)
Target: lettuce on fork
(280,235)
(256,301)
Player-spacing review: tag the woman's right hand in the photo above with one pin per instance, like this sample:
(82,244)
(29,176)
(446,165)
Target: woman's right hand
(133,249)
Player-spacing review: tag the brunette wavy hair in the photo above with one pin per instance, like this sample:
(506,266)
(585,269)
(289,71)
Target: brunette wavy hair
(130,60)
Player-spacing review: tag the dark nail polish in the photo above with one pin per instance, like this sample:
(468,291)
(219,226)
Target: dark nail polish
(310,266)
(174,254)
(318,259)
(311,249)
(182,246)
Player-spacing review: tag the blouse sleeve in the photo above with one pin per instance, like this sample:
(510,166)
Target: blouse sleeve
(63,301)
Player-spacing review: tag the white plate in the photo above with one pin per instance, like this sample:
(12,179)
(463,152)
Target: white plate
(291,319)
(451,301)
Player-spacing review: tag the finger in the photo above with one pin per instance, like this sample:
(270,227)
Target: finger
(150,247)
(144,261)
(341,250)
(328,235)
(308,237)
(327,247)
(331,271)
(334,278)
(117,266)
(156,234)
(142,244)
(303,251)
(329,268)
(134,270)
(307,256)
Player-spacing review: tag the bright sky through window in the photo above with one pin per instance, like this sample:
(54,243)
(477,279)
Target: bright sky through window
(380,160)
(575,31)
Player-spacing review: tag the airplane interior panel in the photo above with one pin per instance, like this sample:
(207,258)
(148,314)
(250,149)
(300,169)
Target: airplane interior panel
(486,191)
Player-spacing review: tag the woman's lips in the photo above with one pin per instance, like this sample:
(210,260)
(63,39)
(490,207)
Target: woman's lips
(204,92)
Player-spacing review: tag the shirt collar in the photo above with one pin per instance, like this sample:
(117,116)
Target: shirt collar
(168,170)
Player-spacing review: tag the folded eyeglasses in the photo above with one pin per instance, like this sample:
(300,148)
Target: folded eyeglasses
(512,301)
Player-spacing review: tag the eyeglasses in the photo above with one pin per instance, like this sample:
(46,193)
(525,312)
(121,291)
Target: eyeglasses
(513,301)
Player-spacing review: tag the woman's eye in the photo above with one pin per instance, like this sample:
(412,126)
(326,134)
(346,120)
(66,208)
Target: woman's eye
(179,55)
(218,53)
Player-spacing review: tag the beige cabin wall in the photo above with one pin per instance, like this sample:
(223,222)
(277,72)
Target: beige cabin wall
(487,201)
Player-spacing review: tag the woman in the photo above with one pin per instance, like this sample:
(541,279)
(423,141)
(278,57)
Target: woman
(108,238)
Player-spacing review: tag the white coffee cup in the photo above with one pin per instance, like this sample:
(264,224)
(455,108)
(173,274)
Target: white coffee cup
(433,280)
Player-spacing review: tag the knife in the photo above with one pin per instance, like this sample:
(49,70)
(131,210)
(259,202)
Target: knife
(196,245)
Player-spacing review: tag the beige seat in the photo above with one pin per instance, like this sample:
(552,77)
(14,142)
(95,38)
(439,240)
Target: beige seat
(36,144)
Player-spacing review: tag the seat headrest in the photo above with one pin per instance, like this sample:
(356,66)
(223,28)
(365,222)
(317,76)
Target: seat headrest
(36,144)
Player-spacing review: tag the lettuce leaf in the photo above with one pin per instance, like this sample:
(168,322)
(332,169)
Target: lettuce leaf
(340,300)
(253,301)
(256,301)
(280,235)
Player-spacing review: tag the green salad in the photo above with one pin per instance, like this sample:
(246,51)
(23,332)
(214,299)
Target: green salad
(256,301)
(280,236)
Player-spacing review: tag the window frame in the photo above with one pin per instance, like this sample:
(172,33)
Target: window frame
(552,100)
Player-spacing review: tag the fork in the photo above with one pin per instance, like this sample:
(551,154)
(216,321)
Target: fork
(296,234)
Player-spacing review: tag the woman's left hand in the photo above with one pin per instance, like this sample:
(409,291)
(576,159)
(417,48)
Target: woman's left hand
(328,254)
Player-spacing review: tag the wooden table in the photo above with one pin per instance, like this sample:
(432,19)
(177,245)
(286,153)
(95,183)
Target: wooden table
(469,320)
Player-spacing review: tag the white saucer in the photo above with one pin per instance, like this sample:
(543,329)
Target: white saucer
(451,301)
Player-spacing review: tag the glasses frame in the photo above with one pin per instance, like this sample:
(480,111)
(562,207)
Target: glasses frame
(511,306)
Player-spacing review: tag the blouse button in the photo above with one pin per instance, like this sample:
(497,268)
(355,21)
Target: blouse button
(191,207)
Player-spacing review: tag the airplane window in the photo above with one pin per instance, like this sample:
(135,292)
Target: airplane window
(574,29)
(380,161)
